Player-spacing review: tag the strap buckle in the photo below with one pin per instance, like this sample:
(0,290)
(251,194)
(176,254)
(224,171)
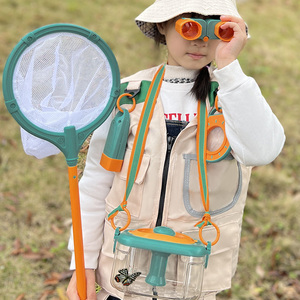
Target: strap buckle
(133,92)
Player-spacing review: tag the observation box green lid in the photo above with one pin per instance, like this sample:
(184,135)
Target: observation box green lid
(163,239)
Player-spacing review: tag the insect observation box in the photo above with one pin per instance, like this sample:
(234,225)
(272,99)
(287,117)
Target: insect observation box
(159,263)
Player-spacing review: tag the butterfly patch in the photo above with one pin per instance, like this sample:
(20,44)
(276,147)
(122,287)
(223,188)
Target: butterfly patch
(125,278)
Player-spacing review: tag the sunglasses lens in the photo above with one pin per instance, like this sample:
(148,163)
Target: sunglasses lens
(190,30)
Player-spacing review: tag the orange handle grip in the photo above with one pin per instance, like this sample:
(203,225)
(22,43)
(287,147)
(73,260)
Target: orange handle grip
(77,233)
(217,121)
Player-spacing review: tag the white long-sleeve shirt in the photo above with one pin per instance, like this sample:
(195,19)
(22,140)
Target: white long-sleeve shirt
(254,133)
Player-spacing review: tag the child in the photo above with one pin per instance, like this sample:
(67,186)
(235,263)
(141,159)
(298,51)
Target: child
(166,191)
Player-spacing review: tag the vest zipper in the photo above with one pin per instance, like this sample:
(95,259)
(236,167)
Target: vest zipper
(170,143)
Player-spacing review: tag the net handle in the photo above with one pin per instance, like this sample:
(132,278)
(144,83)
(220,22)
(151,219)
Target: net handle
(77,233)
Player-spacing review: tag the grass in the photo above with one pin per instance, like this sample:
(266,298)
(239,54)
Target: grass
(34,199)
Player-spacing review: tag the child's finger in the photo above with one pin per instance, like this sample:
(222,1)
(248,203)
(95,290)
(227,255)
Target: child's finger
(240,22)
(234,26)
(238,32)
(231,19)
(90,283)
(72,288)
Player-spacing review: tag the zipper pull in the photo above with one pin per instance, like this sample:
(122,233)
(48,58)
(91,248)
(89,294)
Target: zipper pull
(170,142)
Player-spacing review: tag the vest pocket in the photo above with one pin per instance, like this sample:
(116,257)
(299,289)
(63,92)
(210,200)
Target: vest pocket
(224,182)
(108,239)
(109,232)
(116,195)
(223,258)
(142,171)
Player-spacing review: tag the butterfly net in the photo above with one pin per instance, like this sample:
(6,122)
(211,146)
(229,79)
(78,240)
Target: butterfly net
(62,79)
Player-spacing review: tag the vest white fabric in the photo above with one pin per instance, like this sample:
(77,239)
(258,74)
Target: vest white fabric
(228,183)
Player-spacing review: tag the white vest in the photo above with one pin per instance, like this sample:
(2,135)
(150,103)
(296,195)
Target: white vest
(228,183)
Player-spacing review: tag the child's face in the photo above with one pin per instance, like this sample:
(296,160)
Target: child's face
(192,55)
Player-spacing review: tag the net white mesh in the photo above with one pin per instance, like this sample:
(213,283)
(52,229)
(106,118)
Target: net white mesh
(37,147)
(62,79)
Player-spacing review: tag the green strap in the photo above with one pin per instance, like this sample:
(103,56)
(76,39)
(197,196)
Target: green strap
(141,135)
(213,93)
(201,159)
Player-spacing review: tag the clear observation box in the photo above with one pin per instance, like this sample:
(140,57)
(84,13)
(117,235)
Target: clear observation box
(159,263)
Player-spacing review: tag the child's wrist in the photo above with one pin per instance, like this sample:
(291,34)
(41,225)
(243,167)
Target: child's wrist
(222,63)
(230,77)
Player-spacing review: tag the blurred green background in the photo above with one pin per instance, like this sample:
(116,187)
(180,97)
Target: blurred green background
(34,197)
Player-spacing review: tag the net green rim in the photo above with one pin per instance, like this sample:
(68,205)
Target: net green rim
(71,140)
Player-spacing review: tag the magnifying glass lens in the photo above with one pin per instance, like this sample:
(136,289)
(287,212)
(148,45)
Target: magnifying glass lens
(190,30)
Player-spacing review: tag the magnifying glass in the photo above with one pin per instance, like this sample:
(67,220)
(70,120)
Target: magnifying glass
(192,29)
(60,83)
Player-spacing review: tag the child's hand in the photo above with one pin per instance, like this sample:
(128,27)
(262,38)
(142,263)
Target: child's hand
(227,52)
(90,285)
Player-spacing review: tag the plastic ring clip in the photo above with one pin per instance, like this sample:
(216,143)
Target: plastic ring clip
(133,102)
(217,229)
(111,219)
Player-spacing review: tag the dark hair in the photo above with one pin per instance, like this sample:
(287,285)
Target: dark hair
(158,37)
(201,87)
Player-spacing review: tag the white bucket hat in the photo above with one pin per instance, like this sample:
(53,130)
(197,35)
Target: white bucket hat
(164,10)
